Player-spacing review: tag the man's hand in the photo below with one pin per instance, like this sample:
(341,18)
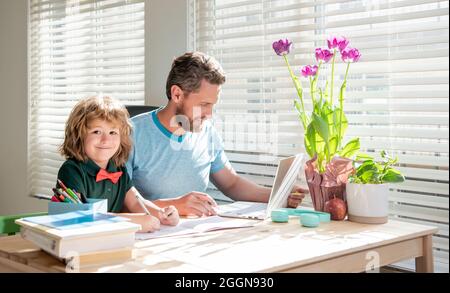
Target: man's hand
(296,197)
(196,203)
(169,216)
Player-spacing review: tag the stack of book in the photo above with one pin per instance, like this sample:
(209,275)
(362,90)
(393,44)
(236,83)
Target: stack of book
(90,238)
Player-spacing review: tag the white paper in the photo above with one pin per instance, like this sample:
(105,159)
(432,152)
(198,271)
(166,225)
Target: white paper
(197,225)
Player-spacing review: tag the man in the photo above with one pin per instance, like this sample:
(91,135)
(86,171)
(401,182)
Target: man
(177,150)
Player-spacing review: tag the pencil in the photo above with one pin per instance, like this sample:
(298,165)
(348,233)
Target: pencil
(61,184)
(41,196)
(141,202)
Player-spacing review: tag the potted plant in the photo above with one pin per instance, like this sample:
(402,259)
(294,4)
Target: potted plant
(368,190)
(324,127)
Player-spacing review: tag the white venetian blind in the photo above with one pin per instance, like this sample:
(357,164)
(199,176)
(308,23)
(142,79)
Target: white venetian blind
(397,95)
(78,49)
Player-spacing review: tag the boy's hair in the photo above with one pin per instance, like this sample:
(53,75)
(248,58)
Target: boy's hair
(84,112)
(190,69)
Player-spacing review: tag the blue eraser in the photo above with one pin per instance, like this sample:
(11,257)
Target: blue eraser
(309,220)
(279,216)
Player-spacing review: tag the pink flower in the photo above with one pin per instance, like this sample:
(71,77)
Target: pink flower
(309,70)
(350,55)
(282,47)
(323,54)
(337,42)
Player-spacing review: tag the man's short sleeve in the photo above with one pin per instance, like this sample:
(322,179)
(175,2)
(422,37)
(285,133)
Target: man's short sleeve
(129,165)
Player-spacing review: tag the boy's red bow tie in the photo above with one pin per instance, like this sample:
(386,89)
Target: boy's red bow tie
(103,174)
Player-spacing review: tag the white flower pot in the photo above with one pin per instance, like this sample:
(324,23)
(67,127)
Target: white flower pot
(368,203)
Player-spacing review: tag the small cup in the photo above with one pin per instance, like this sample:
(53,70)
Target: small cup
(309,220)
(279,216)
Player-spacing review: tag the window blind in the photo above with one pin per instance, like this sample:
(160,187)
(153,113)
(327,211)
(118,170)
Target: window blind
(397,95)
(78,49)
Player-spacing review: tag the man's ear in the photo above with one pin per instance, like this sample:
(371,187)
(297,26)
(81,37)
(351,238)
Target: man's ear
(176,94)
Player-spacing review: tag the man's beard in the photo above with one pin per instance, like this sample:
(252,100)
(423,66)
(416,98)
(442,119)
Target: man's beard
(187,123)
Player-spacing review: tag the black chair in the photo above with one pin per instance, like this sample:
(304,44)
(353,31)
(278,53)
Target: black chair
(136,110)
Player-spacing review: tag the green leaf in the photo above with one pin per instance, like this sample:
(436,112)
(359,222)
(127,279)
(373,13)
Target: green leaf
(369,176)
(333,145)
(310,141)
(327,112)
(337,119)
(392,176)
(366,166)
(320,126)
(351,148)
(363,157)
(317,107)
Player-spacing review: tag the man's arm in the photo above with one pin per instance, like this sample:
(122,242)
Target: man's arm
(238,188)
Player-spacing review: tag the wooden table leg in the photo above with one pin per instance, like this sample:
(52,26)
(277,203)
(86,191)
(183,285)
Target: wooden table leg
(424,263)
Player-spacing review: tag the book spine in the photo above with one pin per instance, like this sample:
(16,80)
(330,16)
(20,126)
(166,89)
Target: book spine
(47,244)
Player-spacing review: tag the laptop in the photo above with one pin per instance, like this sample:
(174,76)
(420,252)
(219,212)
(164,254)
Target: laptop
(287,172)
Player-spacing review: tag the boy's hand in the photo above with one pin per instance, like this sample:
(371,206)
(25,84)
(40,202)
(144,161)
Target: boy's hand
(149,223)
(169,216)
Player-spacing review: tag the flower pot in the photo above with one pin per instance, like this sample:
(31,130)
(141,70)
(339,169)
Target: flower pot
(330,184)
(368,203)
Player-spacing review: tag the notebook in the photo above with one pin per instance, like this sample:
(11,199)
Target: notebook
(287,172)
(196,226)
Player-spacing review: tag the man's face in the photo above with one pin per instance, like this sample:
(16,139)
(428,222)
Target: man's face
(197,107)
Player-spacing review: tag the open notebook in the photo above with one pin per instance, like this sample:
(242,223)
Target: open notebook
(197,225)
(287,171)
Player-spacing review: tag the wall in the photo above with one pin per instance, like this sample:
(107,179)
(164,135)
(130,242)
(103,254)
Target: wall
(13,109)
(166,38)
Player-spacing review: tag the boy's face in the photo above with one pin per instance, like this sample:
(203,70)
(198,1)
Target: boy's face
(101,142)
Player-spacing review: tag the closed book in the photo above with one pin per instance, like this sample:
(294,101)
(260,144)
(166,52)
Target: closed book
(79,236)
(67,247)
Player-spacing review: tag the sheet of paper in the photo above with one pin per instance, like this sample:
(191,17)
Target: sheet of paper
(197,225)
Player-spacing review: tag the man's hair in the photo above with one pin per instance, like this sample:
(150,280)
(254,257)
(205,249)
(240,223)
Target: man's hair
(86,111)
(190,69)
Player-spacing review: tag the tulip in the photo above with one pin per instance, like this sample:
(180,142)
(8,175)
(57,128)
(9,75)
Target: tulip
(282,47)
(323,54)
(337,42)
(309,70)
(350,55)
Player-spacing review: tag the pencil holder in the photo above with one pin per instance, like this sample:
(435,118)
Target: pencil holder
(94,205)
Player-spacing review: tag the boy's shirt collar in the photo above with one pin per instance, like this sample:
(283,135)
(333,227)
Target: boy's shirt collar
(92,168)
